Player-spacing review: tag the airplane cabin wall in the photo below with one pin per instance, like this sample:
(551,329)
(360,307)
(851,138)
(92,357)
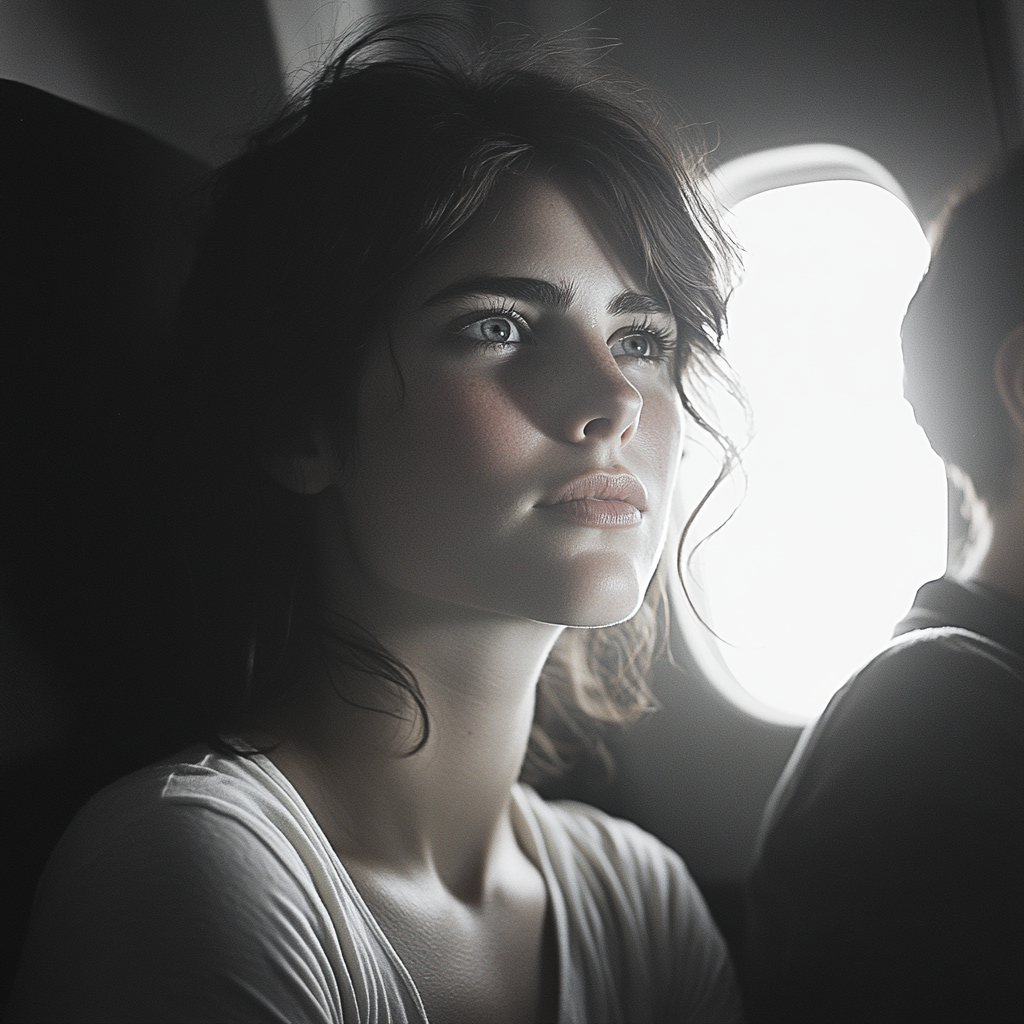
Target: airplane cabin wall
(931,90)
(198,75)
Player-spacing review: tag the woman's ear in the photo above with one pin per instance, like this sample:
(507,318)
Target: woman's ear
(1009,375)
(308,467)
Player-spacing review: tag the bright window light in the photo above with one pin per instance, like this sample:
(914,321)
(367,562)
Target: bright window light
(844,514)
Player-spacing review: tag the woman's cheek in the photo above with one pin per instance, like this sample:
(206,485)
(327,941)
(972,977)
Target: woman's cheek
(475,427)
(662,422)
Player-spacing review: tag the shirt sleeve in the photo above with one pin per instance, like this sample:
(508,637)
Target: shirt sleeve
(693,977)
(155,910)
(642,944)
(887,885)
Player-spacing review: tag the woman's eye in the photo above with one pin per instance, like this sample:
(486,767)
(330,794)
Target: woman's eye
(636,346)
(494,330)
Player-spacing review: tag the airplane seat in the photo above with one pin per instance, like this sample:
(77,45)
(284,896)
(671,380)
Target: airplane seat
(99,222)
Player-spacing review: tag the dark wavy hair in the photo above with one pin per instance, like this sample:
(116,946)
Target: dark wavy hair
(382,161)
(971,298)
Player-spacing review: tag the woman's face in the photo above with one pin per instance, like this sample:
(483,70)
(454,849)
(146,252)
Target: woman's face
(519,437)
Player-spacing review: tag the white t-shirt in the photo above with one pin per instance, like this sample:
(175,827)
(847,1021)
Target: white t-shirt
(202,889)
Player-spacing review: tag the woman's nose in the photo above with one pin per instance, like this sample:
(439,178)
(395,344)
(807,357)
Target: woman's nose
(602,404)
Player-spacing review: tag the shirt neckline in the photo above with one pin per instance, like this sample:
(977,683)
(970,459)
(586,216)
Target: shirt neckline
(526,829)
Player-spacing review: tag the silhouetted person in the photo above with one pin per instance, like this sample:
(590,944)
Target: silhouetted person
(888,879)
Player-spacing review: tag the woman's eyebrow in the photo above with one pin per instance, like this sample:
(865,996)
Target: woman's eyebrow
(544,293)
(638,303)
(526,289)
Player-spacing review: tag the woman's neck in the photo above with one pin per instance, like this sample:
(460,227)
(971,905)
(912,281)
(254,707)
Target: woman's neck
(445,807)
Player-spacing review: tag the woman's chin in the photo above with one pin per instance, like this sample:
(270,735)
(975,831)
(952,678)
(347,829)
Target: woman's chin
(599,617)
(604,601)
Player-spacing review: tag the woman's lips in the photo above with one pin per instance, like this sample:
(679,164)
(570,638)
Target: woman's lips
(601,512)
(602,499)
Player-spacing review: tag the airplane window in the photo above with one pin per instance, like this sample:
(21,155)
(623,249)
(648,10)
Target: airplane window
(843,514)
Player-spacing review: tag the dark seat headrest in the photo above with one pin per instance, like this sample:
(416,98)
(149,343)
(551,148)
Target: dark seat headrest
(96,211)
(98,222)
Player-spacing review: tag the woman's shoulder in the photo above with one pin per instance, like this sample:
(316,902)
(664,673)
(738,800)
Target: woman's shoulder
(202,837)
(624,876)
(638,922)
(586,834)
(181,882)
(198,801)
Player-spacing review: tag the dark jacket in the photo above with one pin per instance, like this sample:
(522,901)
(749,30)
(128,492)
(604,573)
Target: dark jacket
(889,878)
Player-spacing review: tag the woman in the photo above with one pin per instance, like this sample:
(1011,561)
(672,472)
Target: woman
(429,414)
